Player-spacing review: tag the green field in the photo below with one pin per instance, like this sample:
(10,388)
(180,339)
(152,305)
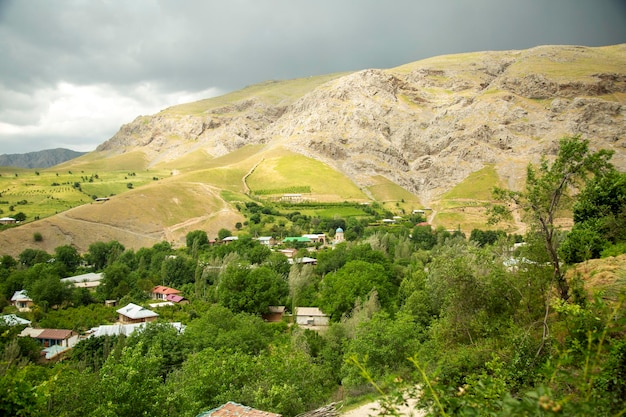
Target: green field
(42,193)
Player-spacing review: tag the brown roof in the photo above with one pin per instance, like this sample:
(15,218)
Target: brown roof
(231,409)
(55,334)
(161,289)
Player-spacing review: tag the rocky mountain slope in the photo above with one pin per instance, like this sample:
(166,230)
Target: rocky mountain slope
(425,126)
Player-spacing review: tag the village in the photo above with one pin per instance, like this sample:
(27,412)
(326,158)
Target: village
(133,317)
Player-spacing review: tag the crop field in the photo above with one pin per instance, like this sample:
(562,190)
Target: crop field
(42,193)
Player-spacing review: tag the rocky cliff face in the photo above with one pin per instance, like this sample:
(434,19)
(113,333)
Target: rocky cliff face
(425,125)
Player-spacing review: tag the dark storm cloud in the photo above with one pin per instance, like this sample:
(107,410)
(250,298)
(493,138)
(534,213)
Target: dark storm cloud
(74,58)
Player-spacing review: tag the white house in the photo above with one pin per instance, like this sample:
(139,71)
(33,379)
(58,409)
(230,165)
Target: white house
(311,316)
(22,301)
(89,280)
(133,313)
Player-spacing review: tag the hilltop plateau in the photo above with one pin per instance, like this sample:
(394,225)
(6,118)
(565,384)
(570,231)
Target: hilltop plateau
(436,133)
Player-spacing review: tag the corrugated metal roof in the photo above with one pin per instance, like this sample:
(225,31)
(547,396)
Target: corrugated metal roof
(90,277)
(133,311)
(232,409)
(20,296)
(309,311)
(13,320)
(55,334)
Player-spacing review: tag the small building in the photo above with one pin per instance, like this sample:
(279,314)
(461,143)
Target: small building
(232,409)
(275,314)
(268,241)
(316,237)
(297,239)
(311,317)
(126,329)
(7,220)
(160,292)
(52,337)
(302,261)
(90,280)
(22,301)
(229,239)
(339,236)
(133,313)
(289,252)
(176,298)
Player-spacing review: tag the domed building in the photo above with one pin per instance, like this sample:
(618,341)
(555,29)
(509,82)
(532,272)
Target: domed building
(339,237)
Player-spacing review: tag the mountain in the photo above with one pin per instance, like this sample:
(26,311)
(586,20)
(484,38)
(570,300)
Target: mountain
(39,159)
(437,133)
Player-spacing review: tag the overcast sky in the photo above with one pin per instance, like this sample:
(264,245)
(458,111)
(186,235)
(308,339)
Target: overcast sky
(72,72)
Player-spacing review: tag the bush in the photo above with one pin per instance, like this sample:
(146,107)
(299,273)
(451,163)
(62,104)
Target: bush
(37,237)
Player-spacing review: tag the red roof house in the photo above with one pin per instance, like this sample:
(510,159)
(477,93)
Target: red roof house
(160,292)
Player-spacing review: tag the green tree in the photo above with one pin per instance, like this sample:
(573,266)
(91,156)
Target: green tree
(353,283)
(545,188)
(30,257)
(251,290)
(197,240)
(49,290)
(130,384)
(68,259)
(223,234)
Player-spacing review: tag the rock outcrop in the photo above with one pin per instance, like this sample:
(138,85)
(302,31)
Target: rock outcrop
(425,125)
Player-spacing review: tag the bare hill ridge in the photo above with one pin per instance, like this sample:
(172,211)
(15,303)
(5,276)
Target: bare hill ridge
(444,130)
(425,125)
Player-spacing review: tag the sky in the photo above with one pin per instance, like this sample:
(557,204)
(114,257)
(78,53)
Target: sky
(73,71)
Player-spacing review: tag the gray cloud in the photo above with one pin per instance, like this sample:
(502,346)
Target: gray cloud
(61,58)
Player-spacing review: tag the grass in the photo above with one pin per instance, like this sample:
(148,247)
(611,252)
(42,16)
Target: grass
(477,186)
(288,171)
(43,193)
(274,92)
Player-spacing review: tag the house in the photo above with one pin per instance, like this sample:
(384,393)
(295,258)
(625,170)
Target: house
(7,220)
(22,301)
(229,239)
(232,409)
(160,292)
(311,316)
(296,239)
(133,313)
(13,320)
(289,253)
(176,298)
(304,260)
(125,329)
(52,337)
(90,280)
(267,241)
(275,314)
(316,237)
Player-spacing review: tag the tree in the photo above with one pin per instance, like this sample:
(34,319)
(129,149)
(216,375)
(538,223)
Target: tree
(223,234)
(48,290)
(545,187)
(68,258)
(242,288)
(353,283)
(197,240)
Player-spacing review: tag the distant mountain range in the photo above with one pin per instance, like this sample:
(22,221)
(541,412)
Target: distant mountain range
(39,159)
